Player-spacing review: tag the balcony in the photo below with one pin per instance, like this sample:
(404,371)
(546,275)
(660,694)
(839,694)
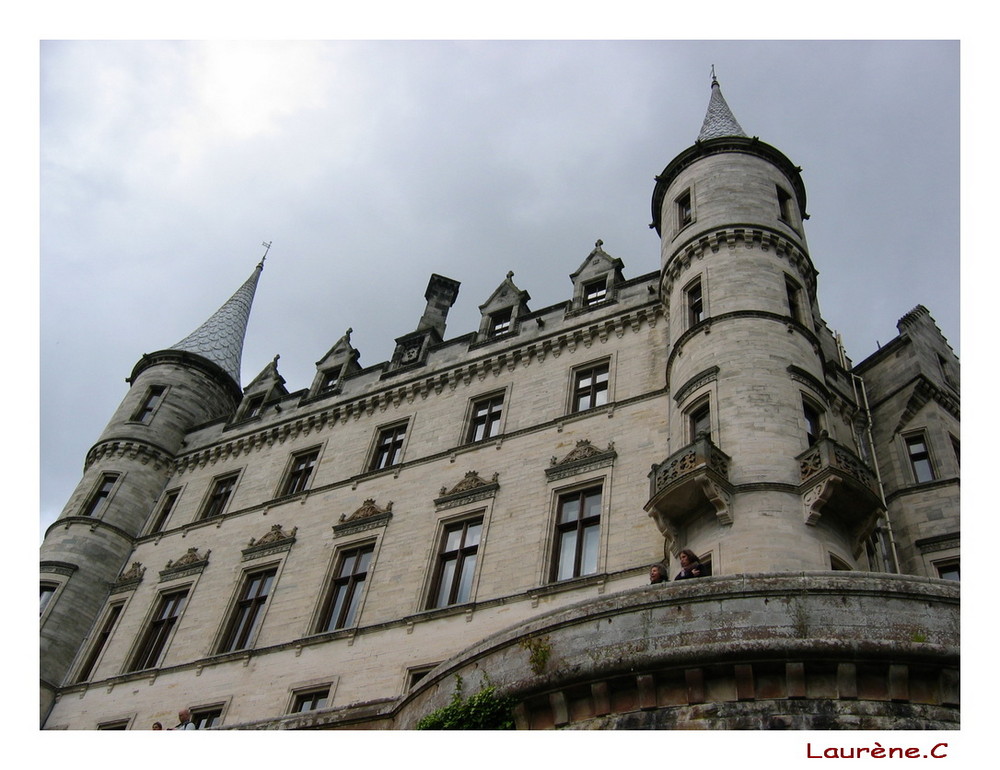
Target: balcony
(692,480)
(836,482)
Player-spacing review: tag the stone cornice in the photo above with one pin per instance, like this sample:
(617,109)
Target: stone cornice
(406,393)
(132,449)
(90,522)
(749,236)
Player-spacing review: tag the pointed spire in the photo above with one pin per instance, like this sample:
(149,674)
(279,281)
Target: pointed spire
(220,338)
(719,120)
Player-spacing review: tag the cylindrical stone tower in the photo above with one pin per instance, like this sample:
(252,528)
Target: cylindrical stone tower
(762,410)
(87,547)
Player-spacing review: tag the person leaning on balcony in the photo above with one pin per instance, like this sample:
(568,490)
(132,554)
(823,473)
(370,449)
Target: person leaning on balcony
(691,567)
(658,573)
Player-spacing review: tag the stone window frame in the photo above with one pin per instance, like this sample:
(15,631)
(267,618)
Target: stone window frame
(124,723)
(53,587)
(786,207)
(95,650)
(591,296)
(373,463)
(149,637)
(685,214)
(577,374)
(164,509)
(444,525)
(912,459)
(299,699)
(291,482)
(810,403)
(695,293)
(208,510)
(795,298)
(705,400)
(327,684)
(252,407)
(551,561)
(98,500)
(469,424)
(215,711)
(501,322)
(322,617)
(230,633)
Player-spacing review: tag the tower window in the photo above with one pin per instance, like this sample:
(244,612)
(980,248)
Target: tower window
(300,472)
(813,425)
(456,563)
(222,490)
(48,590)
(700,421)
(485,422)
(341,605)
(144,413)
(695,302)
(785,206)
(920,458)
(948,570)
(685,214)
(590,388)
(249,611)
(388,447)
(97,500)
(154,640)
(794,293)
(578,528)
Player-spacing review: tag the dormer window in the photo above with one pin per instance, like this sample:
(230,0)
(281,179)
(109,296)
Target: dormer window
(254,407)
(595,292)
(331,379)
(500,322)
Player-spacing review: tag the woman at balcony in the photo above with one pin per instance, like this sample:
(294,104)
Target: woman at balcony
(691,567)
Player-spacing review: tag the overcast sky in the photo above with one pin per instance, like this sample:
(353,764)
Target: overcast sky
(369,166)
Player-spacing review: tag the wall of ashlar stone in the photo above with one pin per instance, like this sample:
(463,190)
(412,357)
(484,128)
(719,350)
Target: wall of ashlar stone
(395,630)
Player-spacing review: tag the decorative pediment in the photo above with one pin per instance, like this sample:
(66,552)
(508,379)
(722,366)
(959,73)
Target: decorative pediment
(368,516)
(339,362)
(470,489)
(129,579)
(189,564)
(584,457)
(924,392)
(275,541)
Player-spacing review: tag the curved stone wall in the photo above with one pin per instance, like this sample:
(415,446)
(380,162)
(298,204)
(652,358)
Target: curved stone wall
(812,650)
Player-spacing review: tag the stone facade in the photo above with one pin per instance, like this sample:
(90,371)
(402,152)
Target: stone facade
(345,555)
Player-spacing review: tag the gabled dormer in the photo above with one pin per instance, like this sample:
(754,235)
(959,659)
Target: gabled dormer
(503,311)
(596,281)
(340,362)
(266,387)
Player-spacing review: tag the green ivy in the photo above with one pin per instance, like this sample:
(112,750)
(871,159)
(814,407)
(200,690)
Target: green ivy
(486,710)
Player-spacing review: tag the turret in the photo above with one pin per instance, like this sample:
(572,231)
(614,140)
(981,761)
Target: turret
(763,472)
(87,547)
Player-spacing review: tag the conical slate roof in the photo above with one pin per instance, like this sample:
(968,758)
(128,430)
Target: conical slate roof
(220,338)
(719,120)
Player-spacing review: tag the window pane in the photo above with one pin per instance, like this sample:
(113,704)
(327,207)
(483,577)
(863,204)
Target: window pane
(570,510)
(447,580)
(465,580)
(567,555)
(588,554)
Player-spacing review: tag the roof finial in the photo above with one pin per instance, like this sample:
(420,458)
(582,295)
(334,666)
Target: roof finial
(715,81)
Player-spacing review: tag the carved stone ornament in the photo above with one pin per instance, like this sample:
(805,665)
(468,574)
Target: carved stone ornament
(190,563)
(471,488)
(368,516)
(129,579)
(275,541)
(584,457)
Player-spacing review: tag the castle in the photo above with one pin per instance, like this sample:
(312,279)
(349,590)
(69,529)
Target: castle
(483,510)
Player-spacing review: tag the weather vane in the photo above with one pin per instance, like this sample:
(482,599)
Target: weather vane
(267,248)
